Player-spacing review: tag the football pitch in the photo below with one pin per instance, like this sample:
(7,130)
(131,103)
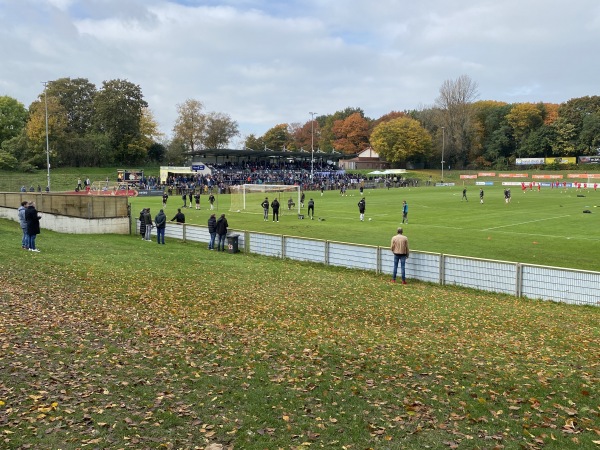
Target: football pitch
(547,227)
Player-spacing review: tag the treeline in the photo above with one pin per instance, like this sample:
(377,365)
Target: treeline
(88,126)
(468,133)
(76,124)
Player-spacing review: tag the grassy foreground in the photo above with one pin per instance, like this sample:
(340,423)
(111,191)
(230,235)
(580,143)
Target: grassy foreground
(112,342)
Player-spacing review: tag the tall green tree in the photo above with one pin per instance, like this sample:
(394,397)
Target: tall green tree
(277,138)
(77,98)
(402,140)
(219,130)
(13,117)
(119,106)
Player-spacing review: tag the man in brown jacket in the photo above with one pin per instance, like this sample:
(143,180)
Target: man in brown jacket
(399,248)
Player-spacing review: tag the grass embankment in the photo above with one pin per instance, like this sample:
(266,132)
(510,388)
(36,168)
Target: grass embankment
(112,342)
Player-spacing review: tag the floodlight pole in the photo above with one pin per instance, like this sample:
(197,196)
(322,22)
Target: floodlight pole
(443,148)
(45,83)
(312,144)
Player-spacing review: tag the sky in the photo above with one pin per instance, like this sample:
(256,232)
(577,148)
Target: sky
(266,63)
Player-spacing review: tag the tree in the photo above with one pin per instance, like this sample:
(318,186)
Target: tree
(401,140)
(454,102)
(13,117)
(219,130)
(190,125)
(351,134)
(36,130)
(254,143)
(326,134)
(175,154)
(524,118)
(119,108)
(277,137)
(76,96)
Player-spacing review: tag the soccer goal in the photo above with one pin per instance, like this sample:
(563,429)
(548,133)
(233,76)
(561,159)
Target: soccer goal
(249,198)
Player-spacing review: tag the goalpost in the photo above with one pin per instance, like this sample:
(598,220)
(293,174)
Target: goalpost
(249,197)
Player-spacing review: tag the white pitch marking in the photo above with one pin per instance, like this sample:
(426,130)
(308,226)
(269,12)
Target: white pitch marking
(523,223)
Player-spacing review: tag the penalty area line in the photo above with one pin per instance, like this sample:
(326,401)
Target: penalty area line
(523,223)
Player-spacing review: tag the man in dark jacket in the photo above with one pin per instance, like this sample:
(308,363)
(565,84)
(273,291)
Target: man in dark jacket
(179,217)
(221,229)
(275,206)
(265,206)
(148,220)
(161,223)
(212,230)
(33,225)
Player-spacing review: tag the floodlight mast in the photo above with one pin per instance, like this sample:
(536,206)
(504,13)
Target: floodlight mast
(443,148)
(45,83)
(312,144)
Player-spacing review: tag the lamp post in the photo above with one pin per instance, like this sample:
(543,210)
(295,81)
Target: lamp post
(312,144)
(45,83)
(443,148)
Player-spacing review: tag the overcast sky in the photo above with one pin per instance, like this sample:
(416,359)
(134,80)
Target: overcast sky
(269,62)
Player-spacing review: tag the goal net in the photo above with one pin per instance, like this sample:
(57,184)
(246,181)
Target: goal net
(249,197)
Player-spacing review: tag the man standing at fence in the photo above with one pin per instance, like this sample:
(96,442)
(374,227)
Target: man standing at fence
(399,248)
(161,222)
(23,223)
(221,229)
(179,217)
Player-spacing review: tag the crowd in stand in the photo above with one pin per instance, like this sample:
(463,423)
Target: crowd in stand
(325,177)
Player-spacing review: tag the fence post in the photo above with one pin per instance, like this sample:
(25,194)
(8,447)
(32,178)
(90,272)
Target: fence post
(519,280)
(442,269)
(183,232)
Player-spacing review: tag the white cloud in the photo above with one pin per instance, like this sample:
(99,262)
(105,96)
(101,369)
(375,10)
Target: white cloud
(265,62)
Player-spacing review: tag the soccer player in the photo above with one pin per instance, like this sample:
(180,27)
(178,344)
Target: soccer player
(481,195)
(404,212)
(311,209)
(361,209)
(464,197)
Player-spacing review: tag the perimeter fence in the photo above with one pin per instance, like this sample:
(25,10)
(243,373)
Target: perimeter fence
(578,287)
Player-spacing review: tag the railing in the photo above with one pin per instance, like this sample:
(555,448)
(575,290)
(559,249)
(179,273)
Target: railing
(571,286)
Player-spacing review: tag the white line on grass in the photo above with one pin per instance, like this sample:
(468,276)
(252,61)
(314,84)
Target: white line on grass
(523,223)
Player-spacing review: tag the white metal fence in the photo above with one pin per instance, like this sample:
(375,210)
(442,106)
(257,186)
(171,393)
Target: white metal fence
(572,286)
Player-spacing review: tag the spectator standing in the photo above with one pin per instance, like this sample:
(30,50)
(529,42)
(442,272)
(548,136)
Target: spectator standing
(361,208)
(143,223)
(148,220)
(179,217)
(161,223)
(23,223)
(400,250)
(221,229)
(311,209)
(265,206)
(275,206)
(404,211)
(212,230)
(33,225)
